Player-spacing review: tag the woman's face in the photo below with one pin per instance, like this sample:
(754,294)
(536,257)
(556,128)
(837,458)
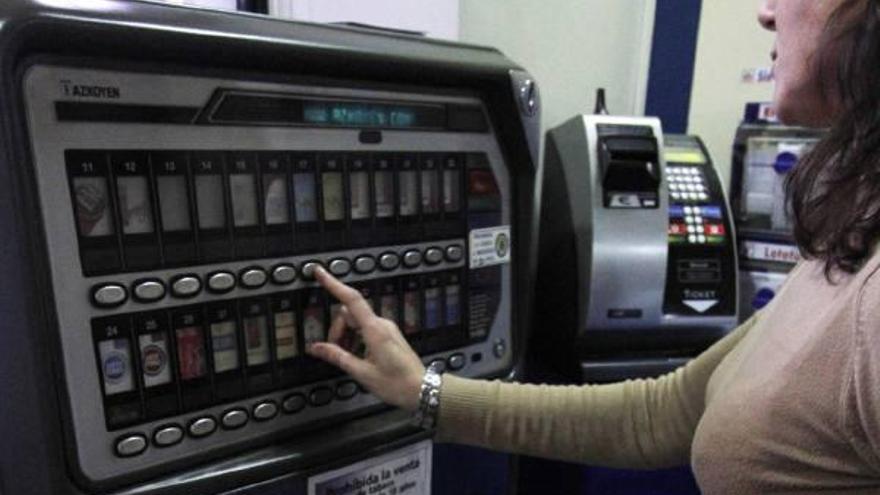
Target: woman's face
(799,26)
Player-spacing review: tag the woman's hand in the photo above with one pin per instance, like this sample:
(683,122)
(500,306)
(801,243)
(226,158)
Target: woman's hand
(390,369)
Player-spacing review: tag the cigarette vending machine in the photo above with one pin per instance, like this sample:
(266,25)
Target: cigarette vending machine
(637,270)
(170,180)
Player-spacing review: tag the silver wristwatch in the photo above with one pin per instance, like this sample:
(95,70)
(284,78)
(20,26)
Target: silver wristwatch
(429,397)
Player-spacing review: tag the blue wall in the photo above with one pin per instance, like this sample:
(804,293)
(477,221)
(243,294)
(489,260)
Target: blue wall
(672,62)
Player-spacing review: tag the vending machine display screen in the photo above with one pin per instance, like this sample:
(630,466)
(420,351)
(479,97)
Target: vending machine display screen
(182,254)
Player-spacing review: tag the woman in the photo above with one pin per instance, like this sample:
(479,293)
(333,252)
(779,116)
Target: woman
(787,403)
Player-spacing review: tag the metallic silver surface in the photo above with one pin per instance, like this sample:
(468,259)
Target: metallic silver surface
(284,274)
(454,253)
(131,445)
(412,258)
(308,270)
(499,348)
(149,291)
(340,267)
(294,403)
(109,295)
(254,278)
(202,427)
(389,261)
(221,282)
(346,390)
(167,436)
(186,286)
(364,264)
(235,418)
(438,364)
(433,256)
(265,411)
(456,361)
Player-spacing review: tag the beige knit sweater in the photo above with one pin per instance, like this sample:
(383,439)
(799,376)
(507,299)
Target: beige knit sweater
(787,403)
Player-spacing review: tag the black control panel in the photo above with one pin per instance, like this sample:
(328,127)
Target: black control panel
(701,271)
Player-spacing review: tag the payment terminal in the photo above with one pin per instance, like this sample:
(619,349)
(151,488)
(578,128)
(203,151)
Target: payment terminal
(637,269)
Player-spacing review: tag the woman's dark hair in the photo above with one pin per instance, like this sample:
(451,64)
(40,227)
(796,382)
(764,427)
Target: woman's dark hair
(833,194)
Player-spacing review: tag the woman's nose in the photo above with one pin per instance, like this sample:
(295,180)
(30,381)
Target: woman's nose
(767,14)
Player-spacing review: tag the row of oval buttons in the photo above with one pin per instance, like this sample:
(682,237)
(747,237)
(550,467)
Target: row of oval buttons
(455,362)
(166,436)
(185,286)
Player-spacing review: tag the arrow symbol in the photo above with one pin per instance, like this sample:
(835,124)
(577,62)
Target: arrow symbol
(700,306)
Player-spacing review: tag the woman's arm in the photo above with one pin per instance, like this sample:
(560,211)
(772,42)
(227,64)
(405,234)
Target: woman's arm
(634,424)
(644,423)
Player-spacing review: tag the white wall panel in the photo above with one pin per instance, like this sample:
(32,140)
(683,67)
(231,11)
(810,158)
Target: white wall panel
(571,47)
(436,18)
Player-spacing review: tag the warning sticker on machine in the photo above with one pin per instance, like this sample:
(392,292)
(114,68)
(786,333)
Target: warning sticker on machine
(405,471)
(490,246)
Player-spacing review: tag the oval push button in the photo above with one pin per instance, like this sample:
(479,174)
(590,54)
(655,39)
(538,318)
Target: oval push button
(202,427)
(265,411)
(283,274)
(149,290)
(412,258)
(433,256)
(109,295)
(308,269)
(364,264)
(456,362)
(131,445)
(186,286)
(167,436)
(389,261)
(253,278)
(454,253)
(294,403)
(346,390)
(221,282)
(235,418)
(439,365)
(340,267)
(320,396)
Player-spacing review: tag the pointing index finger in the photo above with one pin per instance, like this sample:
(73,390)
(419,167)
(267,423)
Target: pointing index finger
(352,299)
